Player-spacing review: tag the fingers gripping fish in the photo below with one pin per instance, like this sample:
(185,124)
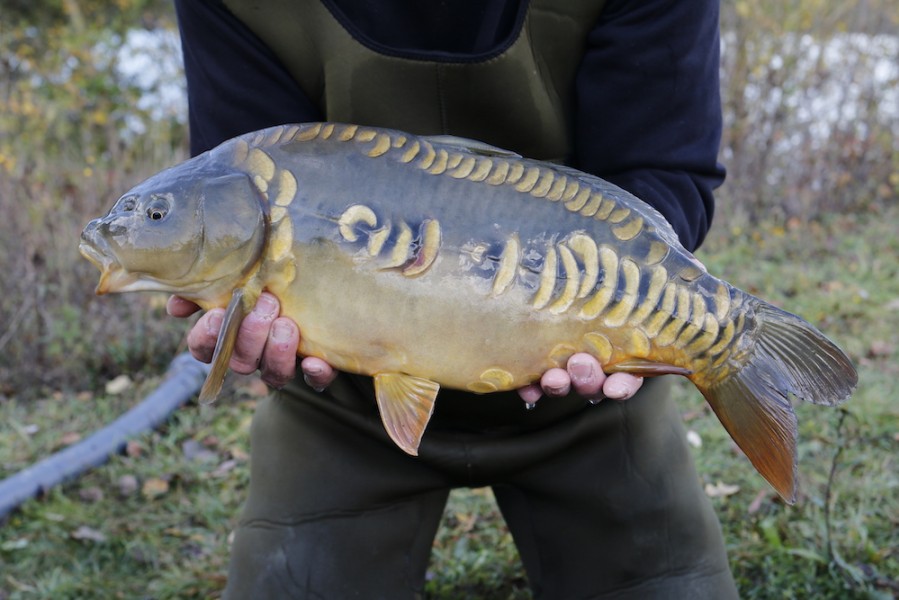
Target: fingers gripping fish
(429,262)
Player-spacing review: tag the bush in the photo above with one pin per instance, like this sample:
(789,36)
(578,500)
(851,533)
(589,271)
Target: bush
(74,136)
(810,91)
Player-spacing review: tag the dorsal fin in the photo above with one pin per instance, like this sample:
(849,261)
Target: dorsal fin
(472,146)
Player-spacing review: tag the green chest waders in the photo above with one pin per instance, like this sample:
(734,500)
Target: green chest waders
(602,501)
(517,97)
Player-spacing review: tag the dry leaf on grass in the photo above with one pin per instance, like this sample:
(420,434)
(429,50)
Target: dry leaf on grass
(118,385)
(154,487)
(88,534)
(720,490)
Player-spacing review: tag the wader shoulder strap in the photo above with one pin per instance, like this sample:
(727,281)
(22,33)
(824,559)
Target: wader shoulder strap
(518,98)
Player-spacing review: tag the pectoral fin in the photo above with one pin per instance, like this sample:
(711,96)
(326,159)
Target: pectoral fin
(406,404)
(238,308)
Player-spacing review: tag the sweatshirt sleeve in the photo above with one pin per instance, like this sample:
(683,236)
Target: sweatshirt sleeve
(648,114)
(235,84)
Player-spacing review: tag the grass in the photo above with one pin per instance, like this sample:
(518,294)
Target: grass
(154,522)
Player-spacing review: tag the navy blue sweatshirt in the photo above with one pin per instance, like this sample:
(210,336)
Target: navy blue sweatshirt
(647,86)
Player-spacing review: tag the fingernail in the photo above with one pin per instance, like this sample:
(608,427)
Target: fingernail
(580,371)
(617,391)
(281,332)
(214,323)
(313,370)
(266,306)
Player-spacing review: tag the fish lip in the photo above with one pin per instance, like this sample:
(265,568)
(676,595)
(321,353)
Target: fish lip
(112,276)
(115,278)
(93,255)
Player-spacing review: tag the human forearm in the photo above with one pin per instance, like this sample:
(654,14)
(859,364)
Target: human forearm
(648,115)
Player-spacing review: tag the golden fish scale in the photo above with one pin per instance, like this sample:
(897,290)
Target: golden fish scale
(628,297)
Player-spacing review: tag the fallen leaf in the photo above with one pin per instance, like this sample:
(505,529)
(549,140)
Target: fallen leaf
(70,438)
(224,468)
(880,348)
(133,449)
(118,385)
(154,487)
(720,490)
(175,532)
(693,439)
(127,485)
(89,534)
(195,451)
(91,494)
(239,455)
(19,544)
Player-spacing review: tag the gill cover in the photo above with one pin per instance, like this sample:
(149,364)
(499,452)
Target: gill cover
(235,229)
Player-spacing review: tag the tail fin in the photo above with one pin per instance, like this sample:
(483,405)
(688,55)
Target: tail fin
(788,356)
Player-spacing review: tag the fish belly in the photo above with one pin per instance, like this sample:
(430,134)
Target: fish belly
(443,327)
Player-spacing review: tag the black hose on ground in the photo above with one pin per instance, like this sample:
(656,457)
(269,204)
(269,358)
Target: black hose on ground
(183,380)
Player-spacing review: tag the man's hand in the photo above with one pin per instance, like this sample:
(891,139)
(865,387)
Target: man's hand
(265,341)
(585,377)
(269,343)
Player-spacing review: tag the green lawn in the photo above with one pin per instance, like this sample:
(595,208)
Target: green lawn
(154,522)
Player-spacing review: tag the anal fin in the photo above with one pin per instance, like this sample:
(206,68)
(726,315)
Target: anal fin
(406,404)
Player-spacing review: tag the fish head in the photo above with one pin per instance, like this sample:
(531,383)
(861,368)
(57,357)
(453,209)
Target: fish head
(195,230)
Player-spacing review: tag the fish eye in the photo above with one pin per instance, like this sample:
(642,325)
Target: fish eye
(158,208)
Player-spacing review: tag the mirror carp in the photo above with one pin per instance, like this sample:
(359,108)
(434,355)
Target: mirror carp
(437,261)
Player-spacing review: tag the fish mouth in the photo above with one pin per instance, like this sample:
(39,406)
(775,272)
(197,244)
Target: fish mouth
(113,278)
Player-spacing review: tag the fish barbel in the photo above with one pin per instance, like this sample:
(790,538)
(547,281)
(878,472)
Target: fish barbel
(427,262)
